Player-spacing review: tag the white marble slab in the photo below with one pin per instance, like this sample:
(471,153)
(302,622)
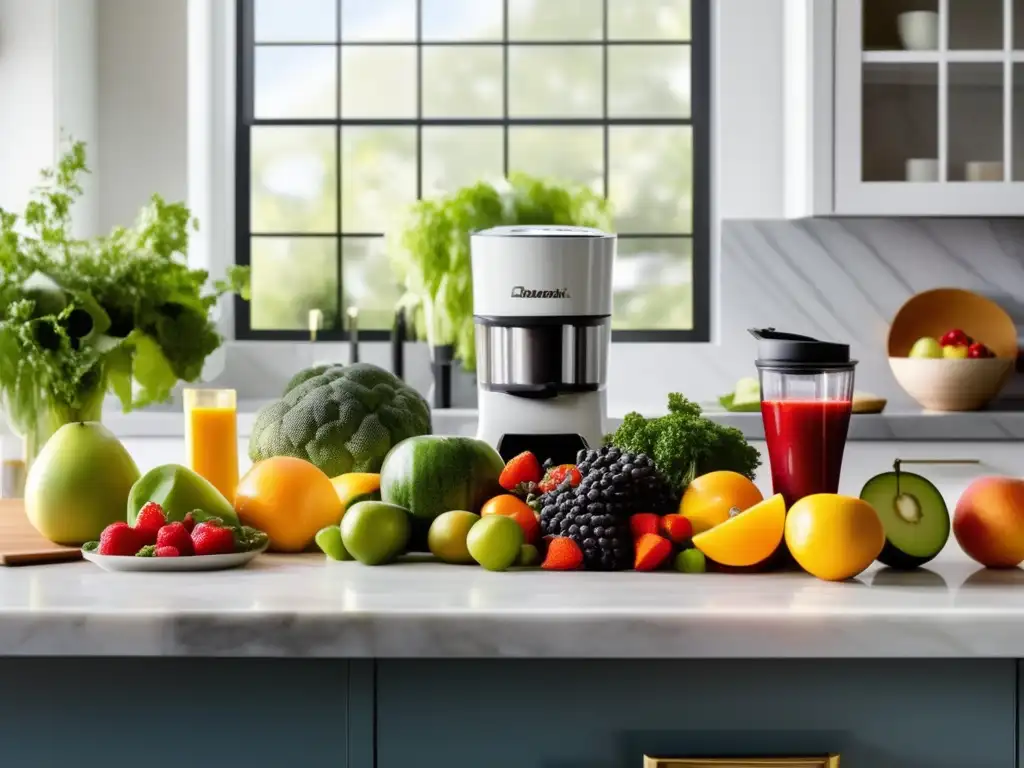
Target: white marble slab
(303,606)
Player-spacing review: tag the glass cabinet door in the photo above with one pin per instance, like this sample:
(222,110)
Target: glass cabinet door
(929,104)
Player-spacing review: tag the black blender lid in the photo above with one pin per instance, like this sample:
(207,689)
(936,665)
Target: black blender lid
(776,348)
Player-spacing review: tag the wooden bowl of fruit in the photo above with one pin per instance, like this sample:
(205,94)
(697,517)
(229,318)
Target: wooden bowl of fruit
(952,350)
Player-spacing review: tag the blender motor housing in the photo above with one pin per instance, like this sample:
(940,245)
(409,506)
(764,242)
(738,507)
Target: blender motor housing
(542,306)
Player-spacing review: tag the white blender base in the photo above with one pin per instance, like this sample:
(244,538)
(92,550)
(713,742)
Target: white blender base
(576,413)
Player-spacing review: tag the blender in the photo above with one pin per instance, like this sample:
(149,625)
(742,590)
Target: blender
(806,402)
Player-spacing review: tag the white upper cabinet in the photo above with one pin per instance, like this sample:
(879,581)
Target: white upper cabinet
(905,107)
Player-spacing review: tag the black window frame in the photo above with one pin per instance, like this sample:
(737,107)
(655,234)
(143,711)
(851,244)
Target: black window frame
(699,120)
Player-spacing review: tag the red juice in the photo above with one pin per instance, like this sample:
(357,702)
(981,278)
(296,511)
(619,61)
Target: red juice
(805,445)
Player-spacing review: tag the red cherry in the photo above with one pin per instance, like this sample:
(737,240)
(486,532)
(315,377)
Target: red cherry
(977,350)
(955,338)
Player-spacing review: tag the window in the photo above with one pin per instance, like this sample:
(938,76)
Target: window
(349,110)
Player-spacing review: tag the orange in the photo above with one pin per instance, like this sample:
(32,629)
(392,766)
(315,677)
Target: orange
(749,537)
(508,505)
(833,537)
(288,498)
(710,499)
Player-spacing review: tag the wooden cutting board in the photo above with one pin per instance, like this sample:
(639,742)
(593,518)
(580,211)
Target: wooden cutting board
(21,544)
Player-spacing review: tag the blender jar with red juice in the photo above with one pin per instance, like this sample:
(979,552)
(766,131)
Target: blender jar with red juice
(806,401)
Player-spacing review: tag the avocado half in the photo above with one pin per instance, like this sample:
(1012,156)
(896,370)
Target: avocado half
(915,519)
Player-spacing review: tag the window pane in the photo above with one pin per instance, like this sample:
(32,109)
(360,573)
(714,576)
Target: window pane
(448,20)
(555,81)
(649,19)
(462,81)
(378,82)
(296,81)
(368,283)
(564,153)
(296,21)
(651,178)
(561,20)
(653,284)
(378,176)
(293,184)
(649,81)
(378,20)
(290,277)
(456,157)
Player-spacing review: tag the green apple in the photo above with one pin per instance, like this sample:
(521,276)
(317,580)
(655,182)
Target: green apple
(926,347)
(329,541)
(375,533)
(954,352)
(447,536)
(495,542)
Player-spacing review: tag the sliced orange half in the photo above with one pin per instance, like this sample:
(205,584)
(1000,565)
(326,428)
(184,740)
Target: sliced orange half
(748,538)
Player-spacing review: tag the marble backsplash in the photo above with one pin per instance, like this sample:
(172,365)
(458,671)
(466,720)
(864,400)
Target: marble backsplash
(845,279)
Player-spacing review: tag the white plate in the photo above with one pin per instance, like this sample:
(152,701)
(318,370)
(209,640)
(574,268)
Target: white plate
(190,563)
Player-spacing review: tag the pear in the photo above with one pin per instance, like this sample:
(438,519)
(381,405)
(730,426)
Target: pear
(79,483)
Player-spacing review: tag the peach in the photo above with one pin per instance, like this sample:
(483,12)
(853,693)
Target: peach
(989,521)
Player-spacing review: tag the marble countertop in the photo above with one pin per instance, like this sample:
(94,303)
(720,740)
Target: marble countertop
(304,606)
(907,425)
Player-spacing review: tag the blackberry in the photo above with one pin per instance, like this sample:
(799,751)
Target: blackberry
(615,484)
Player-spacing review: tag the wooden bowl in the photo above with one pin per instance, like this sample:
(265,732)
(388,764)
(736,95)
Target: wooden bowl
(932,313)
(952,385)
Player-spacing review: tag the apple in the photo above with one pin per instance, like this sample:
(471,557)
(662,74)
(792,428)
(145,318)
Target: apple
(955,352)
(926,347)
(989,521)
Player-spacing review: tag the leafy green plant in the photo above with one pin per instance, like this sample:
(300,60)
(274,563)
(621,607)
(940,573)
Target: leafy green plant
(121,312)
(431,257)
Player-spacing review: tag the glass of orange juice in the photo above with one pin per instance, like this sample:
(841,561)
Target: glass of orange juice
(211,437)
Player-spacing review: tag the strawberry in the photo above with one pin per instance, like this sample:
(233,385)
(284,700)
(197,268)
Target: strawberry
(150,520)
(520,470)
(167,552)
(555,476)
(651,551)
(209,539)
(644,522)
(120,539)
(564,554)
(676,528)
(175,535)
(189,522)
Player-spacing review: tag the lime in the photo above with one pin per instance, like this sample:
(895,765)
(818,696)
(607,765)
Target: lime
(529,555)
(447,536)
(374,532)
(691,561)
(495,541)
(329,541)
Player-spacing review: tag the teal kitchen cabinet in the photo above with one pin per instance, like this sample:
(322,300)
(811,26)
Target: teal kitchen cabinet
(609,713)
(176,712)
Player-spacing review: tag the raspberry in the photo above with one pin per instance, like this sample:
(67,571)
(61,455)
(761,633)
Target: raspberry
(119,539)
(167,551)
(209,539)
(175,535)
(150,520)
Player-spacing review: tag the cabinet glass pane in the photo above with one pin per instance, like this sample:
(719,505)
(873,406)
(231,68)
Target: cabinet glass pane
(653,284)
(1018,122)
(901,25)
(975,122)
(290,277)
(975,25)
(901,122)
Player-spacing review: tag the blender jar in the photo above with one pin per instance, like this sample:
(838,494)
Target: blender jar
(806,402)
